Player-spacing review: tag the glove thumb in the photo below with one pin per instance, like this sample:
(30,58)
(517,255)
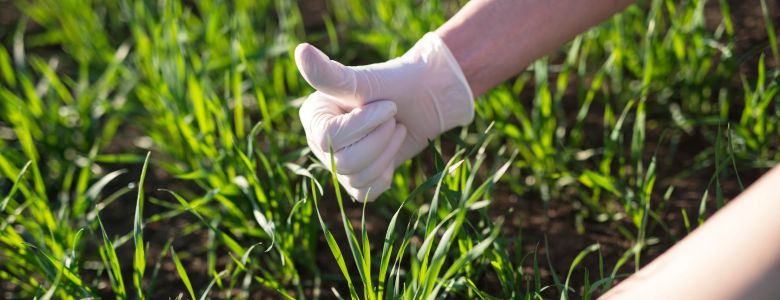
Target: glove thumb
(325,75)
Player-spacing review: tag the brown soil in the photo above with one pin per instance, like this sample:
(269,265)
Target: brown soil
(528,221)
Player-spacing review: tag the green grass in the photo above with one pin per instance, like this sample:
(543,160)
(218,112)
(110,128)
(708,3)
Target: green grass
(167,124)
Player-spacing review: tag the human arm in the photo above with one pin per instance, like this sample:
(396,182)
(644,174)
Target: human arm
(493,40)
(432,87)
(733,255)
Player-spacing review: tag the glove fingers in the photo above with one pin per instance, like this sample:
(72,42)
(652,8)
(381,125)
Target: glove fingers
(322,156)
(347,129)
(323,74)
(315,114)
(366,176)
(359,155)
(373,190)
(328,125)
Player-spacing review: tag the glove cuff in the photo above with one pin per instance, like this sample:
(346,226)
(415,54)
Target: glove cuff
(451,94)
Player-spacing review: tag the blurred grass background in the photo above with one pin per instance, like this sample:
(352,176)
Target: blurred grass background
(574,174)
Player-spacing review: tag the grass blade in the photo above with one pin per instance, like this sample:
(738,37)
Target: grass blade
(139,261)
(334,247)
(182,273)
(15,187)
(108,253)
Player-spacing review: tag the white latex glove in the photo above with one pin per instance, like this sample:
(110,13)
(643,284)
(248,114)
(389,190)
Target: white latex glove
(375,117)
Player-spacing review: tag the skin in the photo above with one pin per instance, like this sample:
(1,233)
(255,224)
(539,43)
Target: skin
(734,255)
(493,40)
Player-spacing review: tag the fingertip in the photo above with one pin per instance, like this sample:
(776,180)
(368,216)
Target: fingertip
(322,73)
(299,55)
(360,195)
(304,52)
(400,131)
(312,63)
(299,49)
(382,184)
(384,162)
(372,191)
(398,137)
(306,59)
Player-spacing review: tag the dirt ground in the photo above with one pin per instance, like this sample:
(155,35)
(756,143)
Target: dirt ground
(527,223)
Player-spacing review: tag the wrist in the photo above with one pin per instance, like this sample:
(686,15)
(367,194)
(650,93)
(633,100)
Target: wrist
(464,54)
(454,99)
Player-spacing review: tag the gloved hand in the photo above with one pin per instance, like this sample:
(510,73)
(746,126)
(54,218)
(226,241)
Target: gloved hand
(375,117)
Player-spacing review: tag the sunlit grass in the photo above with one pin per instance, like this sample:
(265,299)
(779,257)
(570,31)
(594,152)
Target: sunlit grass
(209,92)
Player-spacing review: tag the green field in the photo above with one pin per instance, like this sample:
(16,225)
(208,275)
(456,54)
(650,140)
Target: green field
(152,149)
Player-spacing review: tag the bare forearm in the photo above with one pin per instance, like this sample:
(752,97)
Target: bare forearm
(734,255)
(493,40)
